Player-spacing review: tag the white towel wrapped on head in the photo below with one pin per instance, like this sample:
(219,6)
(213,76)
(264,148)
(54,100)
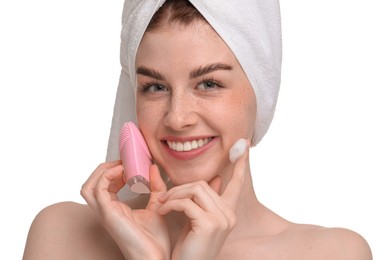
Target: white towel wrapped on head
(251,29)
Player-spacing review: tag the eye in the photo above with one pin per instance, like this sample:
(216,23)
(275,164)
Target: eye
(208,85)
(154,88)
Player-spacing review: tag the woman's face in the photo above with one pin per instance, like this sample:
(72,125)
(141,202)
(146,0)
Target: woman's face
(193,101)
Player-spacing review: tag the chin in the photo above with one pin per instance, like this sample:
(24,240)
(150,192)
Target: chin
(193,174)
(180,178)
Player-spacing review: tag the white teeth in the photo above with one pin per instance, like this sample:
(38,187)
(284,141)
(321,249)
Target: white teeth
(179,147)
(194,144)
(189,145)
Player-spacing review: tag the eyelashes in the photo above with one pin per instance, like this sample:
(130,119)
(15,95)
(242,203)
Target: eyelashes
(207,84)
(152,87)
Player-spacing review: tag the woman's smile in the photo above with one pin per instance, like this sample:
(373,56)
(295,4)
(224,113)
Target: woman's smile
(188,148)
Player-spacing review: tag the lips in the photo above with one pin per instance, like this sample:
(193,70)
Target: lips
(188,149)
(188,145)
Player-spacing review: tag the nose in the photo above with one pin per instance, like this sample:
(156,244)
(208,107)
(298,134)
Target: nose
(181,112)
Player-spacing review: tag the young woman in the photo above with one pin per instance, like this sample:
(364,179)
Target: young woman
(198,91)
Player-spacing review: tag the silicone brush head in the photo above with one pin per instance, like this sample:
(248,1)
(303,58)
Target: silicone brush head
(136,158)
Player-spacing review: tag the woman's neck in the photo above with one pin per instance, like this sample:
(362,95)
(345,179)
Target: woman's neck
(253,218)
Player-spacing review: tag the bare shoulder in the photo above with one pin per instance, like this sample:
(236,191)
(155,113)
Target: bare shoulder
(346,243)
(335,243)
(69,230)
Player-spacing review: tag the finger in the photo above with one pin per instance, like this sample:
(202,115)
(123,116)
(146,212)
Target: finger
(157,187)
(156,182)
(95,176)
(200,192)
(108,186)
(88,188)
(233,188)
(237,149)
(187,206)
(216,184)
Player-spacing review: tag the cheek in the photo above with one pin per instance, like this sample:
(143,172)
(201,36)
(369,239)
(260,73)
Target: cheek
(148,116)
(251,108)
(242,112)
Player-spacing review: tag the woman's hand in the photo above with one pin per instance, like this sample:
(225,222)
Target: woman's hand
(211,216)
(140,234)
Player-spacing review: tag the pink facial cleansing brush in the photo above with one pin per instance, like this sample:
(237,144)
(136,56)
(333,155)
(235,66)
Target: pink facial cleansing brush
(136,158)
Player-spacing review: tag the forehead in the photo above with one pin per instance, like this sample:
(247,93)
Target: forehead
(194,41)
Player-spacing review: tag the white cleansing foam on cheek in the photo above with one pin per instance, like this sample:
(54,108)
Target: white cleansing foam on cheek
(237,150)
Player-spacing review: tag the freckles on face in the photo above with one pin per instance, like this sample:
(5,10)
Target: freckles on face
(191,90)
(241,109)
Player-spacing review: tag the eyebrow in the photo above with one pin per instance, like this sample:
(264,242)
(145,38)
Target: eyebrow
(202,70)
(150,73)
(209,68)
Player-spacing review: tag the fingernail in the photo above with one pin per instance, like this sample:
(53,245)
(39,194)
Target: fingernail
(161,199)
(237,150)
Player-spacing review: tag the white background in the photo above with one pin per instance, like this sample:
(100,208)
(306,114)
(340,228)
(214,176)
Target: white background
(324,160)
